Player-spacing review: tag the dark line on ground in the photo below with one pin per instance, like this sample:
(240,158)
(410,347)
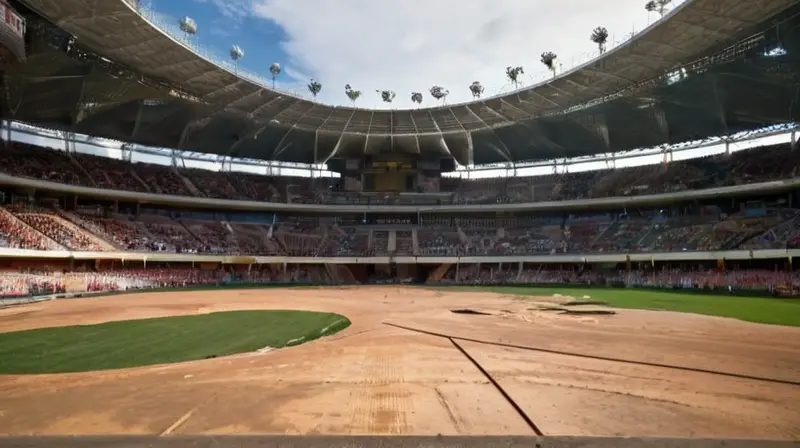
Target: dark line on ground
(233,441)
(601,358)
(335,337)
(499,388)
(446,406)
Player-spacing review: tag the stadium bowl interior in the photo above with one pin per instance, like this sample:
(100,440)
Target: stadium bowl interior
(635,304)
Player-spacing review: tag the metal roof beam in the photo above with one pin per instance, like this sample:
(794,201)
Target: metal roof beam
(536,129)
(511,106)
(185,133)
(369,126)
(553,102)
(341,136)
(720,105)
(316,133)
(278,150)
(224,88)
(145,43)
(264,106)
(138,122)
(498,114)
(470,150)
(391,129)
(610,75)
(77,114)
(504,152)
(260,129)
(468,134)
(416,132)
(702,28)
(673,48)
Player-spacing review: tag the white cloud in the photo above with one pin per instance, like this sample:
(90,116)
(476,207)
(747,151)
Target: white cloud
(410,45)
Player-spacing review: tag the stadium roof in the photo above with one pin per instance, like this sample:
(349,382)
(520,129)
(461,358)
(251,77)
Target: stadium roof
(158,92)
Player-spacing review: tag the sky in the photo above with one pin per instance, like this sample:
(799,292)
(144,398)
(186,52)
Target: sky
(404,45)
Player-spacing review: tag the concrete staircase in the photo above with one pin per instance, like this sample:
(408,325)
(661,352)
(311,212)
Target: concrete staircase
(188,183)
(89,227)
(105,245)
(51,244)
(346,274)
(79,166)
(437,274)
(139,179)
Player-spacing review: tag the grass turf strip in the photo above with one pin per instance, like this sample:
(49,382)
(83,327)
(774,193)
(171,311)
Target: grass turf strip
(142,342)
(750,309)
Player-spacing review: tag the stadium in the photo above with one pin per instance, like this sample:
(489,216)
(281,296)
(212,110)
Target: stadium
(193,257)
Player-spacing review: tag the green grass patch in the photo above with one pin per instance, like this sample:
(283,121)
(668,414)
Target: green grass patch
(750,309)
(143,342)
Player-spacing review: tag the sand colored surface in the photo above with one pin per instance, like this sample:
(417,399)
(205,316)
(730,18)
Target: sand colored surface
(374,378)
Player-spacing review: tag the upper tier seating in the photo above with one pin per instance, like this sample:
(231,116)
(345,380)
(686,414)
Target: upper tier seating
(752,165)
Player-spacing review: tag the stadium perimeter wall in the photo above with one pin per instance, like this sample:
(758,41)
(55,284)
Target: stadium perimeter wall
(5,302)
(728,255)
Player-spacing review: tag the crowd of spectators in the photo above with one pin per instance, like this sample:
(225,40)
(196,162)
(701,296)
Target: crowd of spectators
(748,166)
(15,234)
(731,280)
(33,227)
(15,284)
(61,232)
(28,282)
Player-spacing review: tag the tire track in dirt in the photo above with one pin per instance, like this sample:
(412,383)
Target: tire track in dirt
(379,403)
(185,417)
(450,414)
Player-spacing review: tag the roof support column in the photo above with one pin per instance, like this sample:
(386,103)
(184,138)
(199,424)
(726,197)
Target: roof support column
(139,113)
(720,104)
(66,135)
(127,152)
(416,132)
(341,136)
(666,152)
(663,124)
(177,159)
(442,143)
(793,137)
(78,114)
(186,133)
(391,130)
(470,149)
(611,161)
(280,147)
(366,138)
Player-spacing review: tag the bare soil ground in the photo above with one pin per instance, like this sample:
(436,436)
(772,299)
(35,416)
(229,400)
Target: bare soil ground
(636,373)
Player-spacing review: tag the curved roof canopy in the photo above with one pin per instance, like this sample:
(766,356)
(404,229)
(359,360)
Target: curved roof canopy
(158,92)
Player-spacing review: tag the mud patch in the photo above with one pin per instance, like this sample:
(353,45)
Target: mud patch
(470,311)
(584,302)
(562,310)
(590,312)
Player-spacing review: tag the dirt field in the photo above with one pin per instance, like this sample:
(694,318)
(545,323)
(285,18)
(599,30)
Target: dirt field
(643,373)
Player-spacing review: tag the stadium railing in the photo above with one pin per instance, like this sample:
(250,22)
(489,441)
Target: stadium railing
(733,292)
(576,204)
(756,254)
